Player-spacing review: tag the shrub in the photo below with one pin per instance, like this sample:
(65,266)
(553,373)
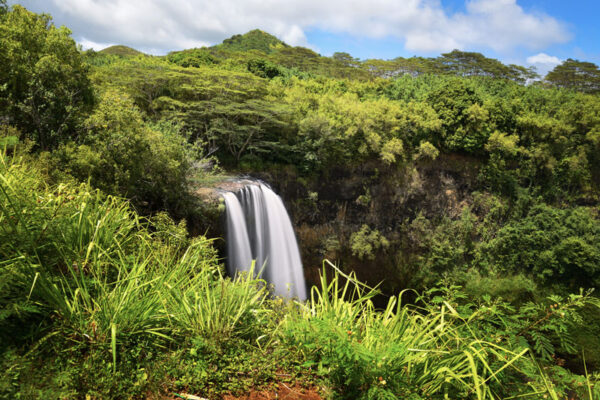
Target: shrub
(550,244)
(123,155)
(366,242)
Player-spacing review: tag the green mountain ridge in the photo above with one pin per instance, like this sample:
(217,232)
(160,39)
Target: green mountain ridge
(265,55)
(255,39)
(121,50)
(258,47)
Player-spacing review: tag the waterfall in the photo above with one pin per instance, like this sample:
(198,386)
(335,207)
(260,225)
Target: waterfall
(259,228)
(239,255)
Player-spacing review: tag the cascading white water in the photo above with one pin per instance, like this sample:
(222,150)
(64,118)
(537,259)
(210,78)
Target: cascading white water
(239,255)
(259,228)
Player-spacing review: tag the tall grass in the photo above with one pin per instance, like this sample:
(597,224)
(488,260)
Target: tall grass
(401,350)
(217,307)
(90,262)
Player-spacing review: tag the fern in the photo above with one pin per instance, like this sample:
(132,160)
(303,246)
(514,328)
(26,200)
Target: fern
(542,345)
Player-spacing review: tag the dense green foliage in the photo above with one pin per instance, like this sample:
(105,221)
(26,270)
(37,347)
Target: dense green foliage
(44,84)
(448,346)
(578,75)
(456,176)
(120,153)
(87,276)
(526,135)
(554,245)
(253,40)
(82,271)
(122,51)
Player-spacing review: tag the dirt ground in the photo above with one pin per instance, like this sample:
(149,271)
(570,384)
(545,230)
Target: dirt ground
(282,391)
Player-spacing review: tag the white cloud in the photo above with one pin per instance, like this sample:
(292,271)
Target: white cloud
(423,25)
(295,35)
(543,58)
(89,44)
(543,62)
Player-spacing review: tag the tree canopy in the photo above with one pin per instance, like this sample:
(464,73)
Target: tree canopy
(44,83)
(577,75)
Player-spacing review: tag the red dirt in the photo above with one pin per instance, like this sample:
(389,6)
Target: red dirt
(284,392)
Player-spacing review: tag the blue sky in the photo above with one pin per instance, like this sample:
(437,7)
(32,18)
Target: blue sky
(526,32)
(580,16)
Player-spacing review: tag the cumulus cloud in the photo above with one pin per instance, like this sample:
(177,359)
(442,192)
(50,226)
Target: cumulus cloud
(423,25)
(543,58)
(543,62)
(90,44)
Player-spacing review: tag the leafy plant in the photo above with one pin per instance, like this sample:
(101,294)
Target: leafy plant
(45,87)
(444,348)
(366,242)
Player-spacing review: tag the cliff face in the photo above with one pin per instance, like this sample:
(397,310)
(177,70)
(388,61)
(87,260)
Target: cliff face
(361,217)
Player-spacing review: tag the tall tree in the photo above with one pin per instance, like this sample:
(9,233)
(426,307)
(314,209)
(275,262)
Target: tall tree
(578,75)
(44,85)
(345,58)
(463,63)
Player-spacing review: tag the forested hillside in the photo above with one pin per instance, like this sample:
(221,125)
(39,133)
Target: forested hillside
(455,198)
